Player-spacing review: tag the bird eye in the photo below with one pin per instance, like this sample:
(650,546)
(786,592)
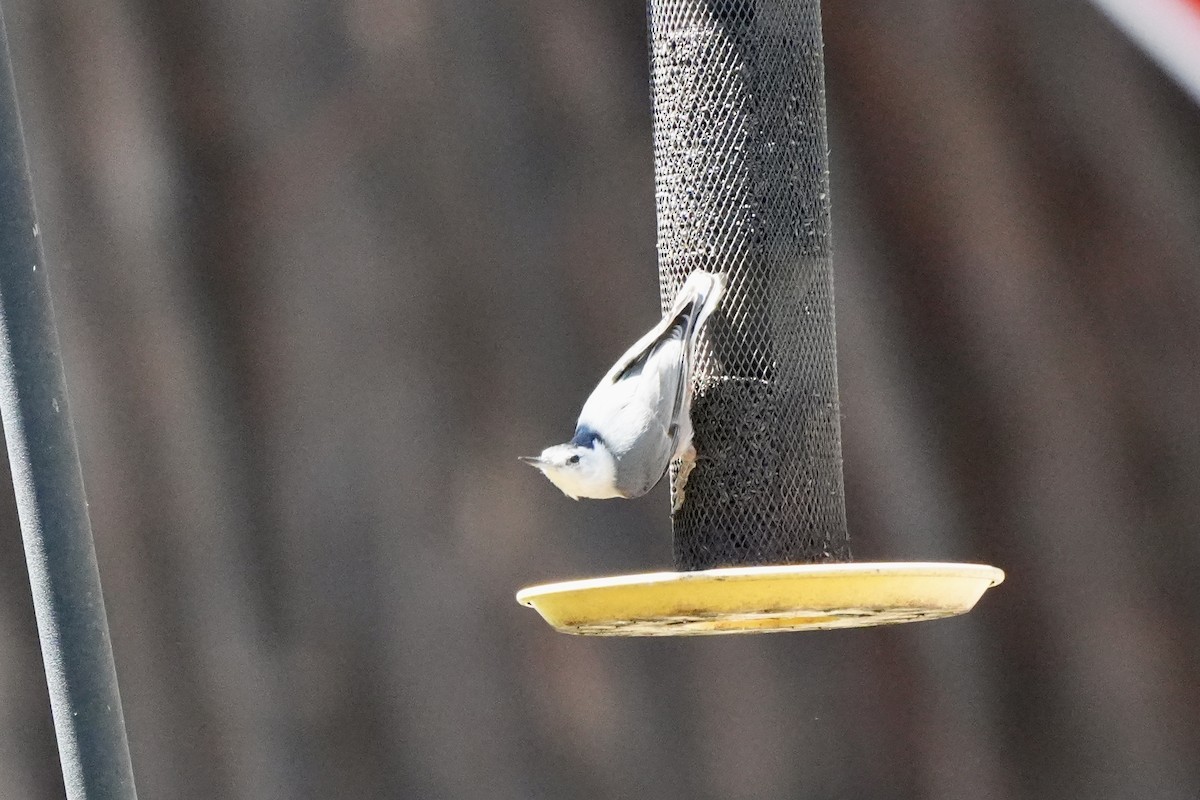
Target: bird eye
(573,460)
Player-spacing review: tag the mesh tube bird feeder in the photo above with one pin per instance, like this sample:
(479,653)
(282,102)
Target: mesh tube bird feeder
(742,187)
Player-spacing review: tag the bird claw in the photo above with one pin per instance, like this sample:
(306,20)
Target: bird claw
(686,464)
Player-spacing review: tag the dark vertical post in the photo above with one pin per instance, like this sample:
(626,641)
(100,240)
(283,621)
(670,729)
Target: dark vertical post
(49,491)
(742,187)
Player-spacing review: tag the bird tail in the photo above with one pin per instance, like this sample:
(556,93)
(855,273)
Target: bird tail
(693,304)
(699,296)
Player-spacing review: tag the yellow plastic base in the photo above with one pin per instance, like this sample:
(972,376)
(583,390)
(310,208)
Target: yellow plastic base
(760,599)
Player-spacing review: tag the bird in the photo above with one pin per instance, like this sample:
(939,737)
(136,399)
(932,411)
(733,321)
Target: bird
(638,418)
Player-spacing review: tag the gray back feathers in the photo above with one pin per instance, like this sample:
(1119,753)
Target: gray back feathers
(641,409)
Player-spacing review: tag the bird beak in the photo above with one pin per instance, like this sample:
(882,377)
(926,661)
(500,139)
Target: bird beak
(533,461)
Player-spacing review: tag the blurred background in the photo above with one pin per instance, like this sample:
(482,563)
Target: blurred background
(323,270)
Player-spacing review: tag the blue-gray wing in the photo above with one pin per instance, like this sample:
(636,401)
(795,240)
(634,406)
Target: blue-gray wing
(640,405)
(636,414)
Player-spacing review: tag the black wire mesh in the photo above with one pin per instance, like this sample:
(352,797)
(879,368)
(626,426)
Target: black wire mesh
(742,187)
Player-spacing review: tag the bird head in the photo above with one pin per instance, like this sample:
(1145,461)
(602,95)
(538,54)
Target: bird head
(579,470)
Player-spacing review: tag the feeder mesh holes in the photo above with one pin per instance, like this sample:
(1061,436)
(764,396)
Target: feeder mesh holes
(742,187)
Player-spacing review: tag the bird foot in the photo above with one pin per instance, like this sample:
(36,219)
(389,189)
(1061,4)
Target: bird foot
(686,464)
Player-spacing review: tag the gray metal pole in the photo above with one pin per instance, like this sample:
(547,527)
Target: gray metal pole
(742,187)
(49,490)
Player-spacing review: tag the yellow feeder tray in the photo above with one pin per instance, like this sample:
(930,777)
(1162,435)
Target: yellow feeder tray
(761,599)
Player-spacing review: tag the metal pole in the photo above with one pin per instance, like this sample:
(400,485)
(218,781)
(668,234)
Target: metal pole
(49,491)
(742,187)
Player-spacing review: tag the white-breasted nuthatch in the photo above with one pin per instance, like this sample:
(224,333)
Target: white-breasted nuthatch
(638,419)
